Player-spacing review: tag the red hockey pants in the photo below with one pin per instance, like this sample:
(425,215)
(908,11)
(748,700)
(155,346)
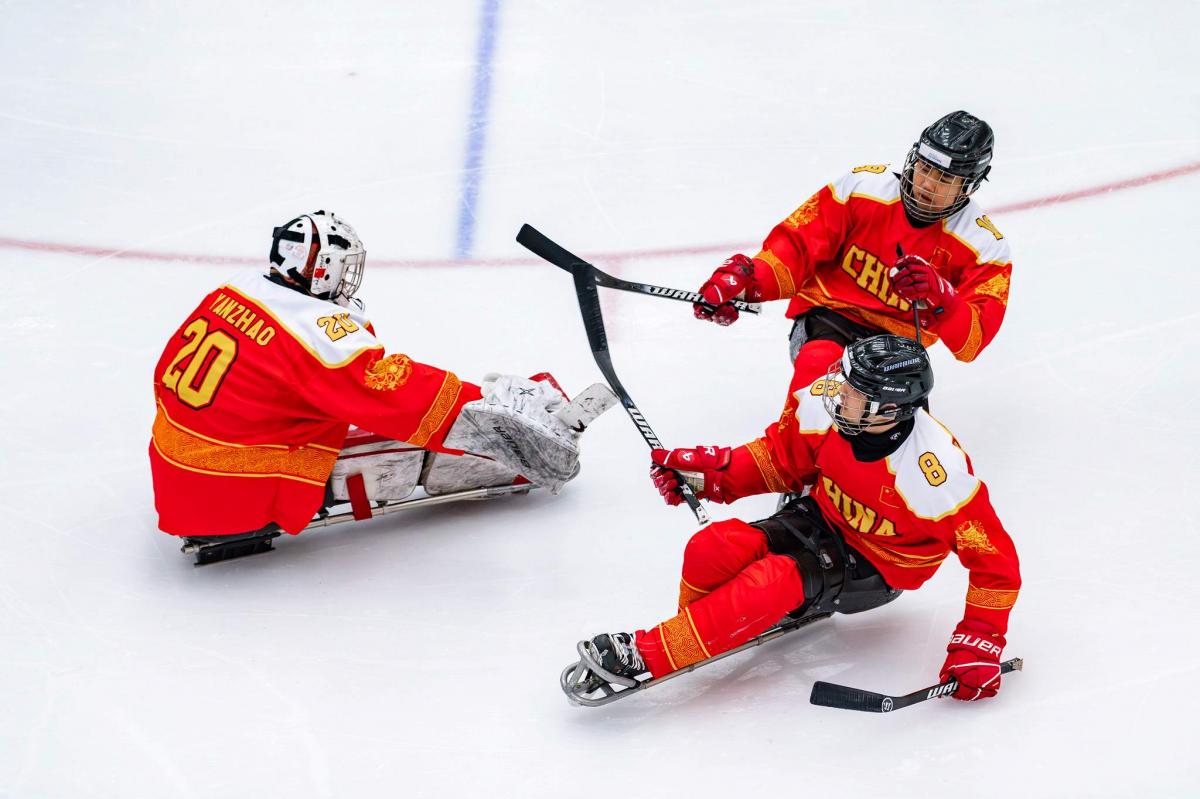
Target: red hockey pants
(732,590)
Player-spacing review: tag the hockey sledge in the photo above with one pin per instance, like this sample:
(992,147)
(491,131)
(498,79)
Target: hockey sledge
(351,499)
(376,476)
(588,684)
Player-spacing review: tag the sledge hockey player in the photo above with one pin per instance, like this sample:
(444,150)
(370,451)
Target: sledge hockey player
(892,495)
(257,390)
(857,253)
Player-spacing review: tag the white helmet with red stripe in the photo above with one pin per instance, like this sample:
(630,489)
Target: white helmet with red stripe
(322,253)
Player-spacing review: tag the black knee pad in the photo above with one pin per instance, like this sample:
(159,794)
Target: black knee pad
(836,577)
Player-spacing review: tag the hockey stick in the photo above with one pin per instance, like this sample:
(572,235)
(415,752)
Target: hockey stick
(916,305)
(593,324)
(829,694)
(532,240)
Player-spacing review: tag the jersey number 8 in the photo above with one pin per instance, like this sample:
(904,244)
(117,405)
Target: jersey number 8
(931,467)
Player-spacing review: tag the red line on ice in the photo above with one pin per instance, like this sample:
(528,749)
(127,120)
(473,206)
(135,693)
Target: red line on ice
(607,257)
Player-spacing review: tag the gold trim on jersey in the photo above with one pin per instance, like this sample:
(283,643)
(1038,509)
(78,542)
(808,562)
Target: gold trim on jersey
(974,343)
(262,306)
(995,287)
(908,504)
(787,286)
(438,411)
(873,198)
(974,250)
(881,321)
(699,640)
(189,450)
(895,557)
(991,598)
(689,593)
(680,642)
(861,196)
(762,459)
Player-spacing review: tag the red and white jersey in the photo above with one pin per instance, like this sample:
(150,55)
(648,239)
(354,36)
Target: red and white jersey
(836,250)
(255,393)
(905,513)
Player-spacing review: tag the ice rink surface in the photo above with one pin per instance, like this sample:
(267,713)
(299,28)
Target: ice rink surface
(417,655)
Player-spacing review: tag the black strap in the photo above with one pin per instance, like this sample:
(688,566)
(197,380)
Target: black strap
(284,233)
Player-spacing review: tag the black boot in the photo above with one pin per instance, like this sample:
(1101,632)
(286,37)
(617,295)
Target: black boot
(617,653)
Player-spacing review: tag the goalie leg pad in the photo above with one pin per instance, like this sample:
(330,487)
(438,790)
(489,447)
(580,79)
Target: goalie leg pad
(445,474)
(388,469)
(516,424)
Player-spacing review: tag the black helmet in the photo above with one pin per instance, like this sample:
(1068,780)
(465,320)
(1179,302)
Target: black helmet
(957,145)
(894,374)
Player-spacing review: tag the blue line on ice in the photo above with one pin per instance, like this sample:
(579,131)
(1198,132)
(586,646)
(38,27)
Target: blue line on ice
(477,129)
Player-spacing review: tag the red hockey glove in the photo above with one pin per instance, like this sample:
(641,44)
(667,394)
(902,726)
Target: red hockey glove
(915,279)
(974,660)
(733,277)
(701,465)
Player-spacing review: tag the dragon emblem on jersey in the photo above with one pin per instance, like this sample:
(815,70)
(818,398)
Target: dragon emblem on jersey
(805,213)
(995,287)
(874,169)
(971,535)
(388,374)
(987,225)
(789,412)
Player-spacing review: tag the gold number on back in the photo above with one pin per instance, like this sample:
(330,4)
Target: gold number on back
(211,356)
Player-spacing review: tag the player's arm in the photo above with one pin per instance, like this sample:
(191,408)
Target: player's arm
(966,315)
(390,395)
(812,233)
(515,421)
(977,318)
(779,462)
(985,549)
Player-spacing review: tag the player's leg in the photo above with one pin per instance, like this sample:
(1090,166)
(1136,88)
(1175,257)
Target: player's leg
(817,340)
(731,614)
(807,568)
(715,555)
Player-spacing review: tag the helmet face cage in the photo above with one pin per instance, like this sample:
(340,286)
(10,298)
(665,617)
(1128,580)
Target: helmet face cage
(942,175)
(874,412)
(353,265)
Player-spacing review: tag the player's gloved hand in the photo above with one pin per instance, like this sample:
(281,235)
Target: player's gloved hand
(974,660)
(915,280)
(701,465)
(732,278)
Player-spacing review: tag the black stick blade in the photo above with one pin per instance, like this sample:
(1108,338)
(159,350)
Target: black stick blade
(828,694)
(533,240)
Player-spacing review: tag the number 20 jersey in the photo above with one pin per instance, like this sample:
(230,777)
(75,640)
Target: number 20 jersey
(255,393)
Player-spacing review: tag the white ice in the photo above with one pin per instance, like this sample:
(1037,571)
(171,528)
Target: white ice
(418,655)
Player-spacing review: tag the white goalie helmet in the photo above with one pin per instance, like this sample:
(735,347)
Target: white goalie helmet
(322,253)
